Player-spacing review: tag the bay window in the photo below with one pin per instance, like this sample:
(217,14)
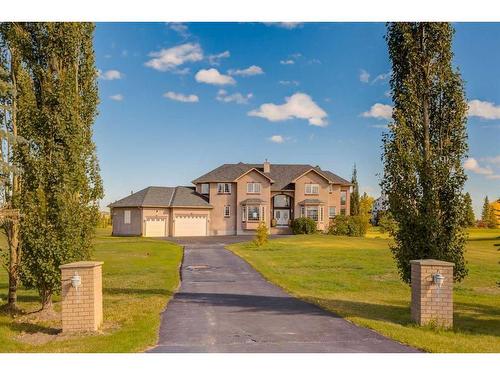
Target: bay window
(253,213)
(312,212)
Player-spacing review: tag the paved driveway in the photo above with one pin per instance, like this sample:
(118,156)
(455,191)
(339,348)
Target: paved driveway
(224,305)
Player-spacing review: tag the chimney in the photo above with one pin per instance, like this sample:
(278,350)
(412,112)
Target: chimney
(267,167)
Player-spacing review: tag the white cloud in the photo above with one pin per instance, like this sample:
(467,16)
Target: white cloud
(299,105)
(285,25)
(237,97)
(472,165)
(213,77)
(277,139)
(484,110)
(379,126)
(181,97)
(215,59)
(250,71)
(364,76)
(381,77)
(379,110)
(170,58)
(110,75)
(180,28)
(287,62)
(116,97)
(492,159)
(289,83)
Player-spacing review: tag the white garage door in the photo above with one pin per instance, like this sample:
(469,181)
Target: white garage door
(190,225)
(156,227)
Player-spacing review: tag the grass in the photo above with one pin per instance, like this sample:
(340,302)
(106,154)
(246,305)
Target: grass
(357,279)
(139,277)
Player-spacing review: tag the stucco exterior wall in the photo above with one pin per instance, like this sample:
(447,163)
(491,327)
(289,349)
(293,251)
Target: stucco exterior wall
(220,225)
(241,195)
(312,178)
(122,229)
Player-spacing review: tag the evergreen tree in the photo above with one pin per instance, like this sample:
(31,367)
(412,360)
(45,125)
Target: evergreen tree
(354,209)
(469,219)
(492,218)
(485,213)
(61,185)
(425,147)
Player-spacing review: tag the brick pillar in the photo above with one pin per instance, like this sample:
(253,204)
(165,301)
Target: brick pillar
(429,304)
(81,306)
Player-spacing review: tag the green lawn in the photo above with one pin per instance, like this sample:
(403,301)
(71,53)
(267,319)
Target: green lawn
(357,278)
(139,277)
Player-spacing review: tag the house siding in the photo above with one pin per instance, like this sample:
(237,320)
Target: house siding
(220,225)
(300,195)
(241,195)
(122,229)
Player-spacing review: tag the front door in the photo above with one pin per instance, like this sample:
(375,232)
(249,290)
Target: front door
(281,216)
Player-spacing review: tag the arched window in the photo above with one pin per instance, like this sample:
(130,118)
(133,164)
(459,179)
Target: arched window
(281,201)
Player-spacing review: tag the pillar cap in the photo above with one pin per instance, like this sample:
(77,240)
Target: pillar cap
(432,262)
(83,264)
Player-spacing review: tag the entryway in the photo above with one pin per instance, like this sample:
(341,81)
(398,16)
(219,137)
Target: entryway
(282,216)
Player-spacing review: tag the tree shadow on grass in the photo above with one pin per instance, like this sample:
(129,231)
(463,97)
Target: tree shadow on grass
(26,327)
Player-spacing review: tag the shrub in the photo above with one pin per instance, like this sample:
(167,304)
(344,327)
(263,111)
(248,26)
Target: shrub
(262,235)
(339,226)
(303,225)
(387,223)
(353,226)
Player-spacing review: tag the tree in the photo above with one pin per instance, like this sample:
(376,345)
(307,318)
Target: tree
(355,193)
(425,147)
(492,218)
(261,235)
(485,213)
(365,205)
(12,86)
(469,219)
(61,181)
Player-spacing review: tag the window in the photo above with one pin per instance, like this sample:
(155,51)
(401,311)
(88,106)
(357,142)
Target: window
(281,201)
(312,212)
(224,188)
(302,211)
(126,217)
(244,214)
(253,187)
(312,189)
(330,189)
(321,214)
(205,188)
(253,213)
(342,211)
(227,211)
(331,212)
(343,197)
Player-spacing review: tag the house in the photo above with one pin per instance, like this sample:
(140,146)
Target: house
(233,199)
(381,204)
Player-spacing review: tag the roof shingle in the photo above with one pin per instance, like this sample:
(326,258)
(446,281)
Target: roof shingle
(157,196)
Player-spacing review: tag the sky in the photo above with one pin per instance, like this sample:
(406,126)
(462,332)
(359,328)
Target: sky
(180,99)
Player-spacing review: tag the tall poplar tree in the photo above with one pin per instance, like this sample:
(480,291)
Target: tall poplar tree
(425,147)
(62,185)
(355,199)
(485,213)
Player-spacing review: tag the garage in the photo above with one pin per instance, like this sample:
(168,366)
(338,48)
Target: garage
(190,225)
(155,227)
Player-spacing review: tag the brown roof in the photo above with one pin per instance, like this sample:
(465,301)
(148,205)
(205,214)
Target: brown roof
(158,196)
(282,175)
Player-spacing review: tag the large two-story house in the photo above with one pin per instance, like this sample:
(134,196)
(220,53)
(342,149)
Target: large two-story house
(233,199)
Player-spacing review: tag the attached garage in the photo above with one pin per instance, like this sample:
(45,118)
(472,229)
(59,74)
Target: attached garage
(190,225)
(155,227)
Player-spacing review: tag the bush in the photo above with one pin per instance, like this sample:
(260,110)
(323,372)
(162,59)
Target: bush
(303,225)
(262,235)
(353,226)
(387,223)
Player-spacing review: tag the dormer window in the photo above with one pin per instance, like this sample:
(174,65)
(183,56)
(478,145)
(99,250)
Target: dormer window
(253,187)
(224,188)
(205,188)
(312,189)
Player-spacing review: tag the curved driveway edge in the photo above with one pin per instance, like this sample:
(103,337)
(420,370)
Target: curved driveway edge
(224,305)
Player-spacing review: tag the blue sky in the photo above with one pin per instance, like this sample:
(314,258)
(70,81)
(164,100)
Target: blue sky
(178,100)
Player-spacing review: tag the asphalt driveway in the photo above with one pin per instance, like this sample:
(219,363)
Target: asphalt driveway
(224,305)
